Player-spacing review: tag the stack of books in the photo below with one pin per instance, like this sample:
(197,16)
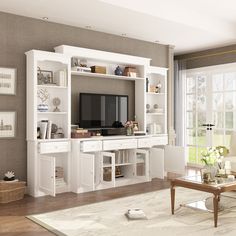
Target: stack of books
(60,78)
(135,214)
(45,129)
(60,183)
(59,172)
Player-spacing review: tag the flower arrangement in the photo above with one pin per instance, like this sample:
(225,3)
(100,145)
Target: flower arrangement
(129,124)
(214,155)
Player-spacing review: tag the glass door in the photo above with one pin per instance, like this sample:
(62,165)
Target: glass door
(196,115)
(210,108)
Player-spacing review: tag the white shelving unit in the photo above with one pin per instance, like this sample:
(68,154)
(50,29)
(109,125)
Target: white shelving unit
(104,162)
(105,76)
(46,156)
(111,61)
(156,122)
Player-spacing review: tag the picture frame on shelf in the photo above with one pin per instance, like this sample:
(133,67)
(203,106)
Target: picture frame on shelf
(44,76)
(7,124)
(8,81)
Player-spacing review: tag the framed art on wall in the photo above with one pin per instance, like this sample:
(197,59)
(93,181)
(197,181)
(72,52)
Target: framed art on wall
(7,81)
(7,124)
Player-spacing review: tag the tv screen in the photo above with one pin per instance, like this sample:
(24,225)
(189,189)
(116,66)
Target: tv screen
(102,110)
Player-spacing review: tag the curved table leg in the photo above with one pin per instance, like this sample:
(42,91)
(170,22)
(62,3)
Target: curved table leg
(216,200)
(172,191)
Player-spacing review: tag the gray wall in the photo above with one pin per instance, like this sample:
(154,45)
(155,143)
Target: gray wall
(216,56)
(20,34)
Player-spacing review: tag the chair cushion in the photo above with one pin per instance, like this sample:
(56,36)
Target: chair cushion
(232,160)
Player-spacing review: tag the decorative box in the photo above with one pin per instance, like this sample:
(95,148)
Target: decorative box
(80,135)
(98,69)
(130,71)
(11,191)
(107,174)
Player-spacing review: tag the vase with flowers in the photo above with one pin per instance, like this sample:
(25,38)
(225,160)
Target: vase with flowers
(129,128)
(212,157)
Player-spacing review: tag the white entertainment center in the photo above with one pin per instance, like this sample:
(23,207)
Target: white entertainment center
(88,164)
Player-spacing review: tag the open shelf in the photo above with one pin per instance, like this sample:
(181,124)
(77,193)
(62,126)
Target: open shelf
(52,113)
(108,76)
(155,114)
(151,93)
(124,164)
(52,140)
(107,165)
(51,86)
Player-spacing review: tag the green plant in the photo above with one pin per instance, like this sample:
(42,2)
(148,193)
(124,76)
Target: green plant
(212,155)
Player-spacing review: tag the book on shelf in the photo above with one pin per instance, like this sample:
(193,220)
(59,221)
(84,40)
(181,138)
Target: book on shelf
(136,214)
(60,182)
(49,129)
(60,78)
(43,129)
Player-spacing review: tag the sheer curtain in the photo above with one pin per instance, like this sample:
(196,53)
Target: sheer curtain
(179,100)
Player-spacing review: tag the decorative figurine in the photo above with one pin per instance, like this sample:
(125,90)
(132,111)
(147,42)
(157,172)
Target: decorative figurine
(118,71)
(158,87)
(56,102)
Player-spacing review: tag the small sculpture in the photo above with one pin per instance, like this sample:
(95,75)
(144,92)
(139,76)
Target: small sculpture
(43,95)
(158,87)
(56,102)
(118,71)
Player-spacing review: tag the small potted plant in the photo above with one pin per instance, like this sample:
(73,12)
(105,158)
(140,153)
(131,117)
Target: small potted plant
(9,176)
(212,158)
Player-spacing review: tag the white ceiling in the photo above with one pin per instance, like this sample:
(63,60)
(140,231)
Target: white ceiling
(189,25)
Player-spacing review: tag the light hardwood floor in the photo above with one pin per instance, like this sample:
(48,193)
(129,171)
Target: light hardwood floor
(12,215)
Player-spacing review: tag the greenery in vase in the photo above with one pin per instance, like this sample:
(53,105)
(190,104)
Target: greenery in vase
(212,156)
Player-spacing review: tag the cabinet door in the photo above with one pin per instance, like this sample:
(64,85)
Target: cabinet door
(47,179)
(157,163)
(142,163)
(108,168)
(175,159)
(87,171)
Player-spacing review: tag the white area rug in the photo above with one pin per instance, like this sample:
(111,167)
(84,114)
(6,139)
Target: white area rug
(107,218)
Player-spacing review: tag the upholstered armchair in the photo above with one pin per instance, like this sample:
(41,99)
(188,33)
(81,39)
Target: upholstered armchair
(232,152)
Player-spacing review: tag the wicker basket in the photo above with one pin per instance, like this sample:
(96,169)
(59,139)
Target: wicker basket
(11,191)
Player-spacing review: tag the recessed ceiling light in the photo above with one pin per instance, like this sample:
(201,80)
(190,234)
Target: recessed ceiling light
(88,27)
(123,35)
(45,18)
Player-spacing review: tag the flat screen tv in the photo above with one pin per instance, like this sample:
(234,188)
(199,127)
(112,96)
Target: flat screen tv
(102,110)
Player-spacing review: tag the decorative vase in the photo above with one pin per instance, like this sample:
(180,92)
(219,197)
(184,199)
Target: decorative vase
(129,131)
(43,107)
(208,173)
(118,71)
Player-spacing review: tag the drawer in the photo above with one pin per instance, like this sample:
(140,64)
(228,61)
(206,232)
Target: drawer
(54,147)
(119,144)
(144,143)
(159,141)
(91,146)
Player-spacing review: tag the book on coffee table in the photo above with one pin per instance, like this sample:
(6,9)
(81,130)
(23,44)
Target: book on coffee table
(135,214)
